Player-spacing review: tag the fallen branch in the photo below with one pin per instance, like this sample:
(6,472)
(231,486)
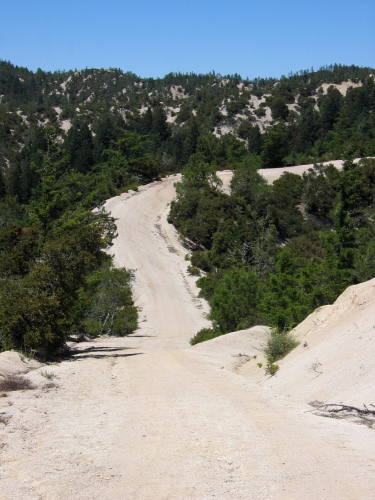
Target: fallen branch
(337,408)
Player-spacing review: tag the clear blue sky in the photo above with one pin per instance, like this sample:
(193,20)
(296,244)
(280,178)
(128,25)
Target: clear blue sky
(152,38)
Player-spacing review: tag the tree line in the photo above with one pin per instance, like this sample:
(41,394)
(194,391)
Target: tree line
(56,280)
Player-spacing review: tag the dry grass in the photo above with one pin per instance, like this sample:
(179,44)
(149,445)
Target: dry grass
(16,383)
(50,385)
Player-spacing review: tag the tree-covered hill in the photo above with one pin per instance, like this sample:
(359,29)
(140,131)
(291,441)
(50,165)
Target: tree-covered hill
(314,114)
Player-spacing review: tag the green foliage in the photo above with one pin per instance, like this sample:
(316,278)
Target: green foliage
(79,146)
(31,317)
(248,184)
(198,174)
(60,294)
(107,303)
(233,303)
(330,105)
(260,112)
(272,369)
(49,203)
(251,278)
(107,131)
(287,216)
(298,286)
(193,271)
(199,207)
(210,147)
(48,375)
(2,185)
(198,213)
(279,109)
(275,146)
(49,286)
(279,344)
(103,104)
(204,334)
(319,192)
(19,248)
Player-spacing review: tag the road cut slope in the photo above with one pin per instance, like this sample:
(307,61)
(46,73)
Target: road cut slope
(335,360)
(149,417)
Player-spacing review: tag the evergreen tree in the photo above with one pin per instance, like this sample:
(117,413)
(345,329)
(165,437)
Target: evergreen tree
(105,135)
(233,304)
(330,106)
(146,123)
(160,127)
(2,185)
(279,109)
(254,140)
(275,147)
(49,201)
(191,140)
(79,146)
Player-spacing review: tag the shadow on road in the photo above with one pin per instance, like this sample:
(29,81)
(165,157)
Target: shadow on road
(102,352)
(140,336)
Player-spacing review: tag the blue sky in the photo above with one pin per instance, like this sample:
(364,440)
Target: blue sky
(150,38)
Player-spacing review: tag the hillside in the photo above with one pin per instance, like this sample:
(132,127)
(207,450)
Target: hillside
(317,114)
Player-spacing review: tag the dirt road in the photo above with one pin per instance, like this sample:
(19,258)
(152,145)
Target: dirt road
(149,417)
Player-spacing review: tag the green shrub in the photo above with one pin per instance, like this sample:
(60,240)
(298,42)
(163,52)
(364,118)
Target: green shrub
(127,188)
(193,271)
(201,259)
(279,344)
(125,321)
(260,112)
(108,304)
(204,334)
(271,369)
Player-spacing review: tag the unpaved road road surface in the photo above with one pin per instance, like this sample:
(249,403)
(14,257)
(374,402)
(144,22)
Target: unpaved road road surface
(149,417)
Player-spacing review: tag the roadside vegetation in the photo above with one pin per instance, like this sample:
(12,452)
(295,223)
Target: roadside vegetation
(271,254)
(53,265)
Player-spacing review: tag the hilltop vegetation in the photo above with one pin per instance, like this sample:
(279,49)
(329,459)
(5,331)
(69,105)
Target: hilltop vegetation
(70,140)
(311,114)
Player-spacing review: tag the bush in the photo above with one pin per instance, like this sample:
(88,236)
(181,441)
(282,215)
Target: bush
(125,321)
(205,334)
(201,260)
(260,112)
(279,345)
(271,369)
(108,303)
(193,271)
(16,383)
(234,301)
